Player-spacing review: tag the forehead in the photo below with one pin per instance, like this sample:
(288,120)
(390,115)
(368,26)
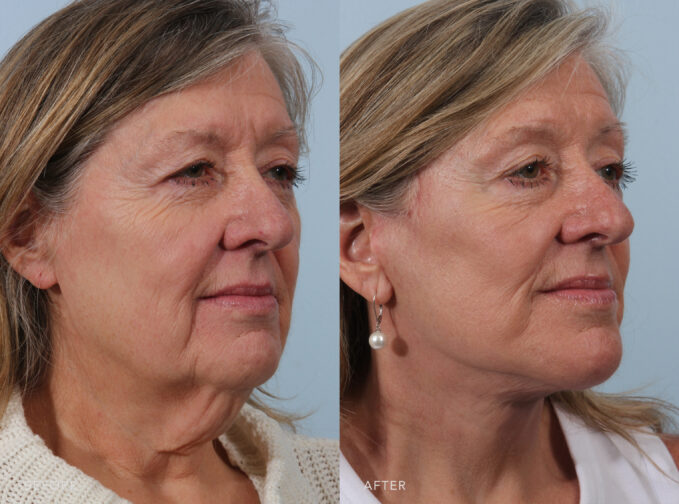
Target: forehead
(570,102)
(241,103)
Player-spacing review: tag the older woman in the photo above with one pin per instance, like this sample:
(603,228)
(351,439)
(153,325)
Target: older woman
(484,250)
(150,238)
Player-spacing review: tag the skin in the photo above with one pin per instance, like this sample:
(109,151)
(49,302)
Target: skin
(187,196)
(528,200)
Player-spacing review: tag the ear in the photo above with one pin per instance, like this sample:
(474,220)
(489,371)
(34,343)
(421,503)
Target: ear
(359,267)
(25,246)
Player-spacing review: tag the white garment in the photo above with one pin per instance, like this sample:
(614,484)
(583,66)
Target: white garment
(352,488)
(610,470)
(285,468)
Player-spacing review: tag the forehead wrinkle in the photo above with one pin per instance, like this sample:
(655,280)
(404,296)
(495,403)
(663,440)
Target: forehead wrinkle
(545,132)
(617,128)
(487,143)
(189,137)
(286,136)
(152,154)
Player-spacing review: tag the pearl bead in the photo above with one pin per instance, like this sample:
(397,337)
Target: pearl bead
(377,340)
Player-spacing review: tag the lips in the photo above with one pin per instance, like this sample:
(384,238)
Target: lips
(583,282)
(256,299)
(244,290)
(592,290)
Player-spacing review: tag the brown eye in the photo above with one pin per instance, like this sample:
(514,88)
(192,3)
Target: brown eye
(532,175)
(196,170)
(618,175)
(281,173)
(530,171)
(285,174)
(610,173)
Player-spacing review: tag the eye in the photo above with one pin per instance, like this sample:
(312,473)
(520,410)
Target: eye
(194,173)
(618,175)
(530,171)
(531,174)
(610,173)
(196,170)
(285,174)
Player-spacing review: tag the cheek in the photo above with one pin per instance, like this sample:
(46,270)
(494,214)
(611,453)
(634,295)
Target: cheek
(464,258)
(287,259)
(288,256)
(621,260)
(139,273)
(495,252)
(288,263)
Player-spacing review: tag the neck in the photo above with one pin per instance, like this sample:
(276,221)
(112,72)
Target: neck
(148,443)
(457,436)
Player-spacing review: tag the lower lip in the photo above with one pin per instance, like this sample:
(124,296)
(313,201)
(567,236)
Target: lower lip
(256,305)
(602,297)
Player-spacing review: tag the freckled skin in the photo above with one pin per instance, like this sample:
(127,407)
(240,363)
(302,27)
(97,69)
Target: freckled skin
(469,259)
(143,241)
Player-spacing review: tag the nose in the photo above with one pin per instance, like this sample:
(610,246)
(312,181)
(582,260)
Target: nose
(595,214)
(258,218)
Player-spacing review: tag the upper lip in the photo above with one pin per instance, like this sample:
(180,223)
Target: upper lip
(246,289)
(582,282)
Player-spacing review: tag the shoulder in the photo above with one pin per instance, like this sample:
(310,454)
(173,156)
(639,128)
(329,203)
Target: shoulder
(29,471)
(306,469)
(318,460)
(672,444)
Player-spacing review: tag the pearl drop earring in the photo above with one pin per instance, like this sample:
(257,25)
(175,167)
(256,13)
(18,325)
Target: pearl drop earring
(377,339)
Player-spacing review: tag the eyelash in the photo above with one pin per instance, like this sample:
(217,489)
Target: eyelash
(625,170)
(292,175)
(181,177)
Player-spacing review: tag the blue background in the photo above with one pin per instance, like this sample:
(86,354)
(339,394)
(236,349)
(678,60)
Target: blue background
(646,32)
(308,376)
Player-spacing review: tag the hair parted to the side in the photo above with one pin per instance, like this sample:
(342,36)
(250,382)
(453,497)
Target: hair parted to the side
(68,81)
(419,82)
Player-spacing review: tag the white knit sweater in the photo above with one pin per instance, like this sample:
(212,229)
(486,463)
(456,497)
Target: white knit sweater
(285,468)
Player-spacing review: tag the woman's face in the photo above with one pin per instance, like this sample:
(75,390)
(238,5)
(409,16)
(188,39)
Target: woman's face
(513,252)
(178,259)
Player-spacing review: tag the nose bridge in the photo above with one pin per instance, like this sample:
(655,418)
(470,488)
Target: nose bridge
(596,210)
(259,219)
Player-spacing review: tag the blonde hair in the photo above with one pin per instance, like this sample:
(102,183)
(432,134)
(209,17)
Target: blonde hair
(418,83)
(67,82)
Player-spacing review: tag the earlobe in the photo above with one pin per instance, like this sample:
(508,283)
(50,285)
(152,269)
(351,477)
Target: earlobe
(360,269)
(25,248)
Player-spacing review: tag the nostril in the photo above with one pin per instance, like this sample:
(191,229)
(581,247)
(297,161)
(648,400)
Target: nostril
(250,243)
(234,243)
(592,237)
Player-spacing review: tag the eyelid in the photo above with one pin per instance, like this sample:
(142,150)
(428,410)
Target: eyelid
(182,176)
(544,164)
(294,175)
(624,168)
(202,163)
(627,173)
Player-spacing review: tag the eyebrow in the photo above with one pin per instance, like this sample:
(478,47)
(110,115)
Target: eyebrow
(616,127)
(285,135)
(190,136)
(522,134)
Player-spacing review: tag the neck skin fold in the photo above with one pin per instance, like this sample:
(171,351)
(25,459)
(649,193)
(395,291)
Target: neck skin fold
(147,443)
(456,436)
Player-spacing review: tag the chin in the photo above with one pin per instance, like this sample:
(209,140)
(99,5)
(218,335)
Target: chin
(259,354)
(595,361)
(244,364)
